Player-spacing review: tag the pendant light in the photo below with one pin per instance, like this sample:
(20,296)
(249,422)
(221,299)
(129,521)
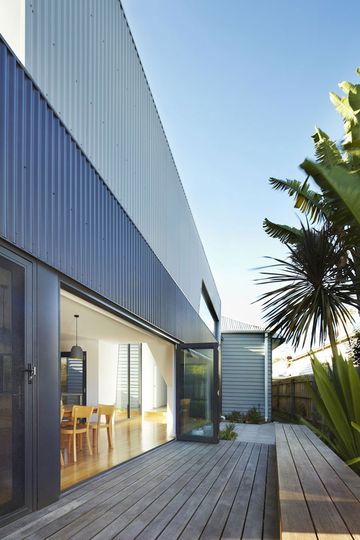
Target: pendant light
(76,350)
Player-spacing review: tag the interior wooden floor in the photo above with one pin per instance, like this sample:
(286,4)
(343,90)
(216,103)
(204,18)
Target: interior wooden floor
(131,438)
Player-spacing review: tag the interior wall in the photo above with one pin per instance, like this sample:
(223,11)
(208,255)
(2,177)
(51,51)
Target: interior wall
(154,392)
(163,354)
(108,362)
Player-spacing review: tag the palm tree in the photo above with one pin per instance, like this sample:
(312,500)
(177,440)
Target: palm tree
(337,173)
(316,288)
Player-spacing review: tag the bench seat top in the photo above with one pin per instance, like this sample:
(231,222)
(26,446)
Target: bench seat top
(319,494)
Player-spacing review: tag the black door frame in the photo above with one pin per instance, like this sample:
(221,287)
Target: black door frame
(30,390)
(215,392)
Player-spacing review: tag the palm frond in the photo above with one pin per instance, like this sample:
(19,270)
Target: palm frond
(308,201)
(284,233)
(310,290)
(343,107)
(342,186)
(326,151)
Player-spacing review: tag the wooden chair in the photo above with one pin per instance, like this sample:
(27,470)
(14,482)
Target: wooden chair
(62,410)
(108,411)
(80,425)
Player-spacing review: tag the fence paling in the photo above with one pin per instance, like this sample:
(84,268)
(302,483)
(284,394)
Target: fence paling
(291,397)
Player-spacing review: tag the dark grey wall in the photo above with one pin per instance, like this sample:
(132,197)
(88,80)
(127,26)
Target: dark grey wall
(56,207)
(48,385)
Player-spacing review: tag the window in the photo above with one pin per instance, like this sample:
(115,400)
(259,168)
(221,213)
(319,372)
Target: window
(207,312)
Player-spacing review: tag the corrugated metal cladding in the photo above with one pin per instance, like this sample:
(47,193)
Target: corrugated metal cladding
(55,206)
(243,377)
(82,55)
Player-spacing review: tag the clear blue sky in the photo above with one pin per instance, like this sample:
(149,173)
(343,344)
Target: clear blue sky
(239,87)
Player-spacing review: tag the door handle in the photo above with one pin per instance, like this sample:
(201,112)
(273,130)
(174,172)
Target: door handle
(31,372)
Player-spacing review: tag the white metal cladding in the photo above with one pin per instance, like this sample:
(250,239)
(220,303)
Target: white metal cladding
(243,376)
(82,55)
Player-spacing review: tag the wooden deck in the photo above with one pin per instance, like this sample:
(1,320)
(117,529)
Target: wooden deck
(179,490)
(319,495)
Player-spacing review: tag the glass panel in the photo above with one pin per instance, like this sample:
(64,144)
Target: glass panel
(72,375)
(135,380)
(196,386)
(122,383)
(128,384)
(12,350)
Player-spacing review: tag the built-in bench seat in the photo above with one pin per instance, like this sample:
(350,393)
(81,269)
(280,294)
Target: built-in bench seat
(319,494)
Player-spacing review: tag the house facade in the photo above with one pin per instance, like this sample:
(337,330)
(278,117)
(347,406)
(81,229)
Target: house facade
(99,253)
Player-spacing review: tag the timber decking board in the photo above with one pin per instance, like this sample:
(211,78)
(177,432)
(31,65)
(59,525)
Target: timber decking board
(328,486)
(199,519)
(271,515)
(181,490)
(217,521)
(90,523)
(296,523)
(254,520)
(342,497)
(157,525)
(235,523)
(162,505)
(52,520)
(324,514)
(349,478)
(91,489)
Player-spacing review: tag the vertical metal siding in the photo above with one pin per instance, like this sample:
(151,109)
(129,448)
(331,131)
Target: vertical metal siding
(243,378)
(56,207)
(82,55)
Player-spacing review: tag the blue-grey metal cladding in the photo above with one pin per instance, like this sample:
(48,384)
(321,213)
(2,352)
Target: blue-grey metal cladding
(243,373)
(82,55)
(55,206)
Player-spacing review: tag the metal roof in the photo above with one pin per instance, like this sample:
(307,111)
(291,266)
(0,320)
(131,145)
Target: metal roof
(232,325)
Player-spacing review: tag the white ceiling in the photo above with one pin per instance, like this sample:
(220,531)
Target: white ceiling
(96,324)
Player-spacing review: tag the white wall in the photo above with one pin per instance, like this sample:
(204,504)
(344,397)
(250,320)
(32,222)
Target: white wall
(108,360)
(162,354)
(12,25)
(154,392)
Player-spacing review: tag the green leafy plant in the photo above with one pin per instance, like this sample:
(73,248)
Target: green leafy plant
(235,416)
(228,433)
(253,416)
(315,286)
(331,203)
(338,402)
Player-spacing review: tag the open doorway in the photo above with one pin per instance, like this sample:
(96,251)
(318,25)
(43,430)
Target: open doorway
(122,370)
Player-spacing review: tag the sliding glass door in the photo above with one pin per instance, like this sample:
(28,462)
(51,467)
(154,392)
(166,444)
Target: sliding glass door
(197,392)
(16,383)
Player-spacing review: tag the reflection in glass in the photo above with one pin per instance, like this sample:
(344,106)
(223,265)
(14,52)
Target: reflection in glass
(128,383)
(196,387)
(12,344)
(73,379)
